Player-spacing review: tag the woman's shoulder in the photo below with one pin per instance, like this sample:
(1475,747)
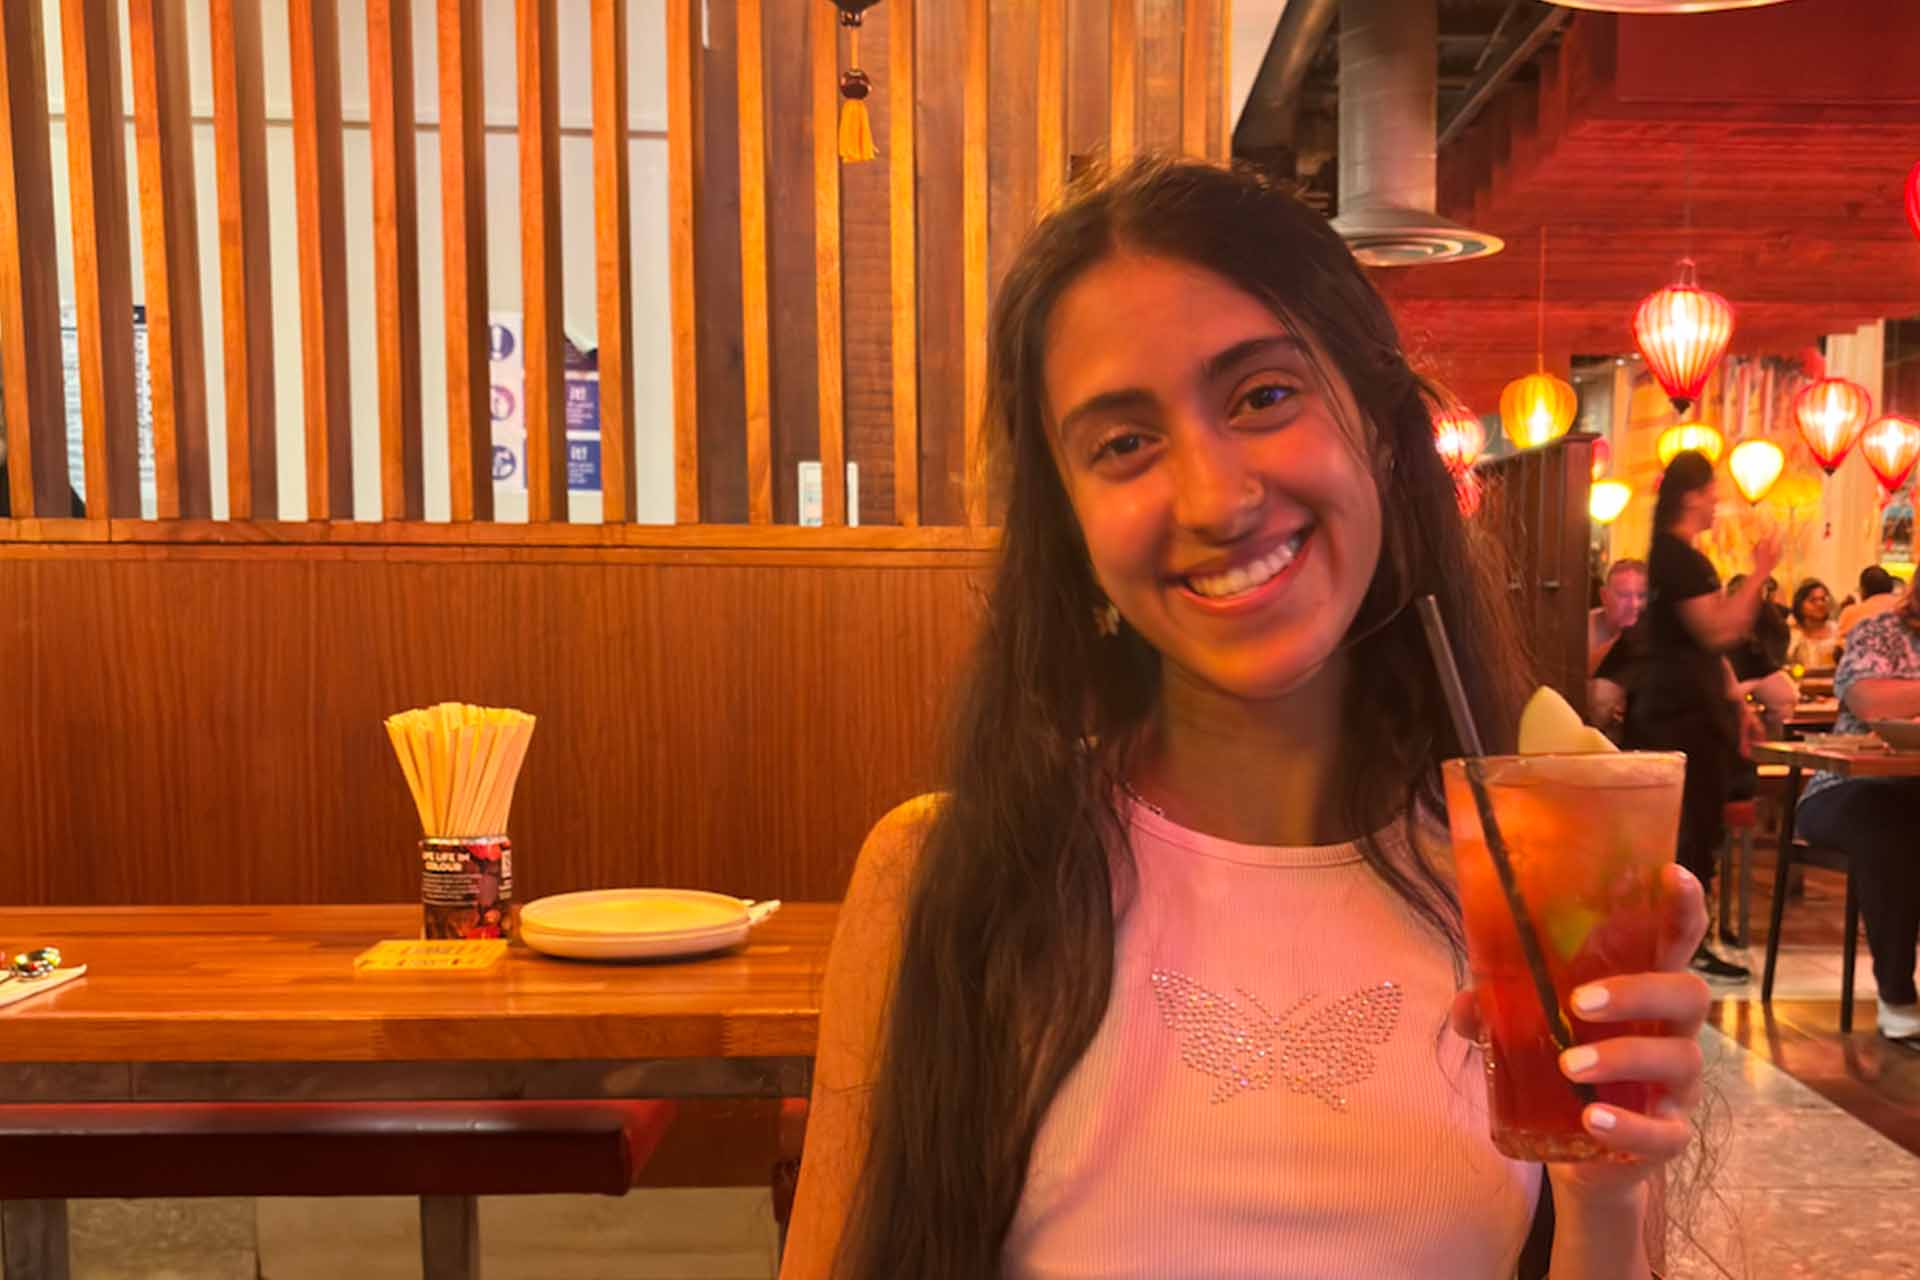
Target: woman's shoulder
(892,848)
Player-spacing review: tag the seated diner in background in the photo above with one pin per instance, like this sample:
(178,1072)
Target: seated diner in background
(1879,592)
(1873,819)
(1623,597)
(1759,661)
(1815,642)
(1194,788)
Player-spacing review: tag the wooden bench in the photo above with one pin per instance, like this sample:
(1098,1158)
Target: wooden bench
(445,1153)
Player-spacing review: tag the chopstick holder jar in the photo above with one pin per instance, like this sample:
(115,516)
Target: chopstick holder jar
(466,887)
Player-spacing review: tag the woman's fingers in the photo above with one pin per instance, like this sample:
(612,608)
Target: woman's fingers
(1684,922)
(1669,1061)
(1661,1136)
(1677,999)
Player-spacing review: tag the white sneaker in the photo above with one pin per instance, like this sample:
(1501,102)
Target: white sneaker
(1900,1021)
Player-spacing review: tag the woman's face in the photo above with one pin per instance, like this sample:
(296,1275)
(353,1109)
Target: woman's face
(1818,605)
(1700,506)
(1221,486)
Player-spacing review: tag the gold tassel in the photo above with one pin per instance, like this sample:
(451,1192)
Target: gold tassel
(856,133)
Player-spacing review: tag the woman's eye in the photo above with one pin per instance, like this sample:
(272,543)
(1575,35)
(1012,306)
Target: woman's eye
(1120,445)
(1265,396)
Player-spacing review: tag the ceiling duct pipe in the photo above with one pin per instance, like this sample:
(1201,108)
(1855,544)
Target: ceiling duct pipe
(1388,73)
(1273,104)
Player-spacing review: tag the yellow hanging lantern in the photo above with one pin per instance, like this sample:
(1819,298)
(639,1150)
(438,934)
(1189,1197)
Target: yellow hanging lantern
(1697,436)
(1537,409)
(1607,499)
(1756,466)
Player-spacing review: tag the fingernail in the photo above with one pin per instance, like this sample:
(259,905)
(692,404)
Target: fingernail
(1590,998)
(1579,1060)
(1601,1118)
(1668,1109)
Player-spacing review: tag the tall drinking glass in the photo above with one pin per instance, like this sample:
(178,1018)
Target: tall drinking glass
(1587,836)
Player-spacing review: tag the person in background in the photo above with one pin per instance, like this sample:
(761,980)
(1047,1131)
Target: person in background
(1623,597)
(1758,662)
(1684,697)
(75,508)
(1815,645)
(1872,819)
(1198,750)
(1879,592)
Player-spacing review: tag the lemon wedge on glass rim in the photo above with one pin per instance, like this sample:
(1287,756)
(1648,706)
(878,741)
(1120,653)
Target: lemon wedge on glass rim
(1550,726)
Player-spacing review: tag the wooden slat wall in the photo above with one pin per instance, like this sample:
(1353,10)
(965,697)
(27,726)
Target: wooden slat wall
(1050,100)
(463,222)
(542,299)
(751,48)
(823,60)
(313,28)
(902,42)
(974,261)
(170,244)
(396,249)
(613,255)
(1123,78)
(246,260)
(683,129)
(226,755)
(102,265)
(30,362)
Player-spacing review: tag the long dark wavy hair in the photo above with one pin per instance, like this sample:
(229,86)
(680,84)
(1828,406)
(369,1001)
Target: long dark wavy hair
(1688,473)
(1007,951)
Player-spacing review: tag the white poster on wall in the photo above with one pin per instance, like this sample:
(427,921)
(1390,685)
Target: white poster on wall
(142,406)
(581,405)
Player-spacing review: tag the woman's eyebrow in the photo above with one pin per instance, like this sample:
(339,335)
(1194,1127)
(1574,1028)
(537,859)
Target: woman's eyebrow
(1240,352)
(1121,400)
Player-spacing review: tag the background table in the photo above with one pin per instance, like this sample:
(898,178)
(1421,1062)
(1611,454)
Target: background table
(263,1003)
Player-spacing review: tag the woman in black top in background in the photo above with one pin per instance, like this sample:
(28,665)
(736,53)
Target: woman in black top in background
(1685,699)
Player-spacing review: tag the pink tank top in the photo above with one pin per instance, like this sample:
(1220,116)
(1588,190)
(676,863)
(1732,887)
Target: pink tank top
(1273,1092)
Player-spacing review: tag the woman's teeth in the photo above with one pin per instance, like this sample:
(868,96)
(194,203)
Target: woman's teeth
(1246,577)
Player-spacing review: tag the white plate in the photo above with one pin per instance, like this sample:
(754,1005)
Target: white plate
(631,924)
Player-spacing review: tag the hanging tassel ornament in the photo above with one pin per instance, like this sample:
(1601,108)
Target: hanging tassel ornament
(856,129)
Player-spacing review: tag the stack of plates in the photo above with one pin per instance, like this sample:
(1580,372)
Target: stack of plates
(632,924)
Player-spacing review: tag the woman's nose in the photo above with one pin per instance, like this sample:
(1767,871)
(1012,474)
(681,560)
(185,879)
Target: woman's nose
(1219,497)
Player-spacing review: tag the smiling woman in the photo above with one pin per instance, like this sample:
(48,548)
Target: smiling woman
(1165,983)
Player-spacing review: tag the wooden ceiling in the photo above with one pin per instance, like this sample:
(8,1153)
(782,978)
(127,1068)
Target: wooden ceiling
(1770,144)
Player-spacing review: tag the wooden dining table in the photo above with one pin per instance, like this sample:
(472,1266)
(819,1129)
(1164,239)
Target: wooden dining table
(265,1004)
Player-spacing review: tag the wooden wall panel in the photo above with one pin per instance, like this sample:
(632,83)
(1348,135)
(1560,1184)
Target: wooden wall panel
(170,244)
(823,49)
(102,263)
(1089,65)
(313,28)
(756,360)
(246,261)
(903,56)
(396,249)
(463,230)
(684,129)
(613,261)
(543,300)
(976,116)
(233,753)
(719,364)
(793,302)
(34,407)
(1123,81)
(939,141)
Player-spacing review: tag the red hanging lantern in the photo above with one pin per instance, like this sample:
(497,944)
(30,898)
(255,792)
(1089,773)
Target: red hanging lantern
(1683,330)
(1459,438)
(1602,457)
(1831,413)
(1891,447)
(1913,199)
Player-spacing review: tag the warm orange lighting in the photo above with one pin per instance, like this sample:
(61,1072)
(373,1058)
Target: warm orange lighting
(1537,409)
(1756,466)
(1913,199)
(1683,330)
(1459,437)
(1602,458)
(1891,447)
(1831,413)
(1607,499)
(1698,436)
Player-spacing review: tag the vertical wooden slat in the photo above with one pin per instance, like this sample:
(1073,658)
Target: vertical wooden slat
(170,244)
(396,250)
(543,303)
(246,260)
(313,29)
(683,125)
(30,362)
(463,229)
(1050,97)
(753,262)
(102,268)
(1223,63)
(974,231)
(613,259)
(823,38)
(1196,46)
(905,271)
(1123,76)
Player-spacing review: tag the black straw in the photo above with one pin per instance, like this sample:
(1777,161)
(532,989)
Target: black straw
(1469,734)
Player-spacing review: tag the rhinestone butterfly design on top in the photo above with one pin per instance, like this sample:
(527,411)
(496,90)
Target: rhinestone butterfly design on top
(1317,1051)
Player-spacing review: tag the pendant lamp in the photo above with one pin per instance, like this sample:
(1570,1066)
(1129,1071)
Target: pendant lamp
(1607,499)
(1662,6)
(1459,438)
(1538,408)
(1891,446)
(1602,457)
(1913,199)
(1831,413)
(1683,330)
(1756,466)
(1698,436)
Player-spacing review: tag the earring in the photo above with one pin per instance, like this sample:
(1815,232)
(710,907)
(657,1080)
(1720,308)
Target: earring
(1106,619)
